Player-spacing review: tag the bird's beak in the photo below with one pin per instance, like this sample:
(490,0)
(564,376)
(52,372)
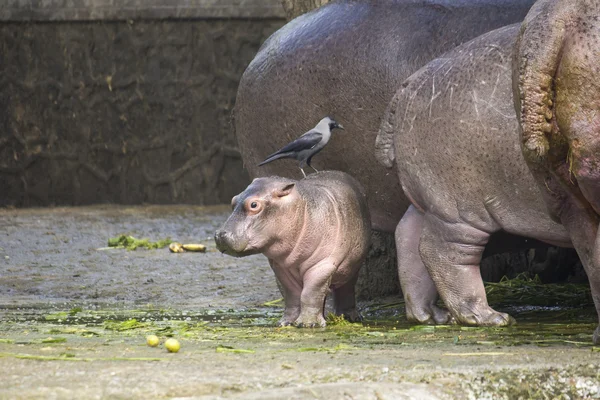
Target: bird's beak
(340,126)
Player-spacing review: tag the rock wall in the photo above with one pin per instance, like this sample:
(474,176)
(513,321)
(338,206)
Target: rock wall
(101,108)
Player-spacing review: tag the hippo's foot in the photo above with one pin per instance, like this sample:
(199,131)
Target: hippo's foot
(284,322)
(351,315)
(310,321)
(429,315)
(451,251)
(420,293)
(596,338)
(484,316)
(290,314)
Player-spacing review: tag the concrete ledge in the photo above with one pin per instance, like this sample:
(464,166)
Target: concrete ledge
(90,10)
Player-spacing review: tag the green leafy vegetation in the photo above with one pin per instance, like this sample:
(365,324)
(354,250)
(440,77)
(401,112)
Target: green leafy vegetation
(123,325)
(524,290)
(131,243)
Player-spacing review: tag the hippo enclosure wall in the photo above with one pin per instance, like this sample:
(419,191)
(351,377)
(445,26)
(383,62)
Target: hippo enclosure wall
(124,103)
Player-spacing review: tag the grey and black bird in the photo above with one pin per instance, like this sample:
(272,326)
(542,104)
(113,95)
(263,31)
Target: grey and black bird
(306,146)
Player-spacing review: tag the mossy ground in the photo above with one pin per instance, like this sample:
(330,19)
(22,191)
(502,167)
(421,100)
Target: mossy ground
(242,351)
(73,323)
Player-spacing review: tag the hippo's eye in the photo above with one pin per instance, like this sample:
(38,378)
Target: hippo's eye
(253,205)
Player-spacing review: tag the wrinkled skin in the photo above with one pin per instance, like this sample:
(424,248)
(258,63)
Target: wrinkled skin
(315,233)
(346,60)
(453,135)
(556,80)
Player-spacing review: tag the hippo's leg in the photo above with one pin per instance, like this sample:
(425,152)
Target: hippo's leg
(291,296)
(316,284)
(594,278)
(582,224)
(452,252)
(292,307)
(420,294)
(344,298)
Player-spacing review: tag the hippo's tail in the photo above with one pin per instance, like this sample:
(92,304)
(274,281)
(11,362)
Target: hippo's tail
(384,144)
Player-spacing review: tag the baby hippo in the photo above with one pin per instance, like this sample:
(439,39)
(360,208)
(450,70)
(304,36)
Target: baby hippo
(315,233)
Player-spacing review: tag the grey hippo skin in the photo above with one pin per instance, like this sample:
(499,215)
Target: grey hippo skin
(346,60)
(315,233)
(452,132)
(556,77)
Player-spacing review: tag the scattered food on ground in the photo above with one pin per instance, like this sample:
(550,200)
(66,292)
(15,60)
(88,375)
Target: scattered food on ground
(131,243)
(172,345)
(152,340)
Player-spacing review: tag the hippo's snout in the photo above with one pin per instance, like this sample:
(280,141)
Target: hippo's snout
(222,239)
(227,244)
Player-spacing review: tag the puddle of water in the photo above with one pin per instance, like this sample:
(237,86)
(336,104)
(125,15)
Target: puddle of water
(541,326)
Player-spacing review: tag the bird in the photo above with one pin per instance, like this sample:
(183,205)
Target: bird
(306,146)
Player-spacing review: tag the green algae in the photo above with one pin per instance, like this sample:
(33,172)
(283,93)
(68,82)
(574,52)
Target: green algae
(260,325)
(73,331)
(54,340)
(330,350)
(131,243)
(71,357)
(229,349)
(124,325)
(251,335)
(57,316)
(243,331)
(273,302)
(75,310)
(337,320)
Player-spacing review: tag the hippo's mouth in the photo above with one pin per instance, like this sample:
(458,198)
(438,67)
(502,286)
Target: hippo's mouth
(226,244)
(238,254)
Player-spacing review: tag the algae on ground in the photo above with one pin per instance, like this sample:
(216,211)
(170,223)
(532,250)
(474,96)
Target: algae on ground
(229,349)
(131,243)
(123,325)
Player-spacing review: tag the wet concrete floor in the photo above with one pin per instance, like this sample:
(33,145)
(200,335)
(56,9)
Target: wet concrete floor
(74,317)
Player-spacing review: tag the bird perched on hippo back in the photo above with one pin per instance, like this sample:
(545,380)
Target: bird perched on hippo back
(306,146)
(315,233)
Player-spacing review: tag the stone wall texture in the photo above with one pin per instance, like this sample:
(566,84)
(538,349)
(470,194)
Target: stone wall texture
(122,111)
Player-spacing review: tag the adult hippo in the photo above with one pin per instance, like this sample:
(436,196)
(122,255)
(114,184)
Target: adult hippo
(452,132)
(346,59)
(556,78)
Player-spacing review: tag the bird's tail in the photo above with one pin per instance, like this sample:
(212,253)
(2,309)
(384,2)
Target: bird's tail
(273,157)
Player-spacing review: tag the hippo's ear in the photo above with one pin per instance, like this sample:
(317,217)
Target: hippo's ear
(234,201)
(285,190)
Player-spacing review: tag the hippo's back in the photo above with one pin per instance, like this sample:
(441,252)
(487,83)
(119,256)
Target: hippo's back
(336,181)
(457,148)
(330,193)
(346,60)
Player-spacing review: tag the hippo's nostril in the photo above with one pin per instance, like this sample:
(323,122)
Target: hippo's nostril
(221,239)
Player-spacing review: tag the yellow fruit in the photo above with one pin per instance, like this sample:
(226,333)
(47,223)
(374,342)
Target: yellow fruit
(172,345)
(195,247)
(152,340)
(176,248)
